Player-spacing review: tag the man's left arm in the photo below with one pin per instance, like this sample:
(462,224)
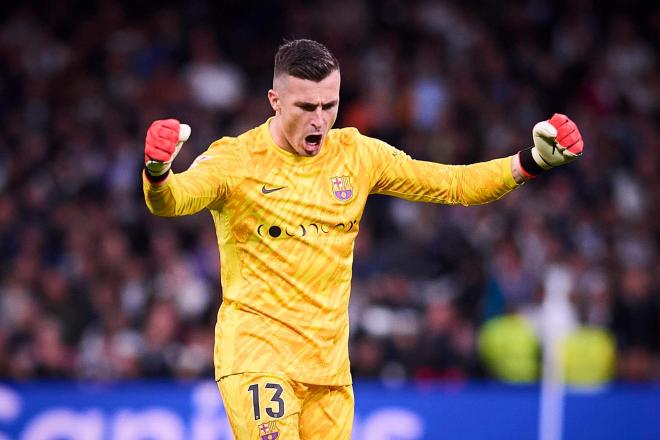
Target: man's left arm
(556,141)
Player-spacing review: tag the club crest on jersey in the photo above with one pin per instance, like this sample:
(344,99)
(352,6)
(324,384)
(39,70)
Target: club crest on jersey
(269,431)
(341,188)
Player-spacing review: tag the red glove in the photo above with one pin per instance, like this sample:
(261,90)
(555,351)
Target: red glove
(162,144)
(557,141)
(568,135)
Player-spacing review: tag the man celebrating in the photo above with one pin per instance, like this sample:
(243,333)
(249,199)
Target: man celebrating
(287,198)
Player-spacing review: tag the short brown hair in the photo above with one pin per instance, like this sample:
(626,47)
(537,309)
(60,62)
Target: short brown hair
(305,59)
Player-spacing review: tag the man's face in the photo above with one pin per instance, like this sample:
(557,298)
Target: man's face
(304,112)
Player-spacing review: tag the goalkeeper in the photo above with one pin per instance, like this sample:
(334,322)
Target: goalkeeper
(286,198)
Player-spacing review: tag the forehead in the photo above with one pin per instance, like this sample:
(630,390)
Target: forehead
(306,90)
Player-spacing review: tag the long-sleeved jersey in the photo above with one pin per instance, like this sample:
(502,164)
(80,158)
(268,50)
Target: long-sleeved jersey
(286,225)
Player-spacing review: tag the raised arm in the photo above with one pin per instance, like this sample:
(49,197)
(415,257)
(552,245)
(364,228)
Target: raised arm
(556,142)
(169,194)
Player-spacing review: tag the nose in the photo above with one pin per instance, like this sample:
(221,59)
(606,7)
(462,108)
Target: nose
(317,118)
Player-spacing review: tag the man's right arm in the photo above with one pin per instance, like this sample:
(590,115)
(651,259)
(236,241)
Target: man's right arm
(169,194)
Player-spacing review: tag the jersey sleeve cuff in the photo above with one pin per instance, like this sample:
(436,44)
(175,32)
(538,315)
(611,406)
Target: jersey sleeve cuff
(154,181)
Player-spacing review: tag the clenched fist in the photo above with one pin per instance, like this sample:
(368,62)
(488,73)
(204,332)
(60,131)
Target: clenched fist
(163,142)
(557,141)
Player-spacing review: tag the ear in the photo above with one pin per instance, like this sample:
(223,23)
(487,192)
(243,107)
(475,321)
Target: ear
(274,100)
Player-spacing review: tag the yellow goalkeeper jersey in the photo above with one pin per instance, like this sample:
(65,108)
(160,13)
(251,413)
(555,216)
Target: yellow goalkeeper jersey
(286,225)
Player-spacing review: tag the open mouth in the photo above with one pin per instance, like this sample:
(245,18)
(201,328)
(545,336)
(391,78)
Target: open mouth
(313,139)
(313,142)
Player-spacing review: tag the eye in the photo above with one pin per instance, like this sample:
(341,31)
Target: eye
(328,106)
(307,107)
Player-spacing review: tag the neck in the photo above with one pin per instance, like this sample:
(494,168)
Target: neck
(276,132)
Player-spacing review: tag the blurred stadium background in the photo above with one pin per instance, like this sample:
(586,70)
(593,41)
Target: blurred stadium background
(106,312)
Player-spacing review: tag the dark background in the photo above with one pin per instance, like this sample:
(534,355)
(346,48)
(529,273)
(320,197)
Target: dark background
(93,286)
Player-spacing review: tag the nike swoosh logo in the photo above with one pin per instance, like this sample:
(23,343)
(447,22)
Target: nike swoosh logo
(265,190)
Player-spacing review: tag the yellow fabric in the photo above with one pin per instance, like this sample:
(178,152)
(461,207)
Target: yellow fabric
(286,225)
(510,348)
(589,355)
(307,411)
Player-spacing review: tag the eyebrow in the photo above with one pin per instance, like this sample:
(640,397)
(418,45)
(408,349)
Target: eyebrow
(311,106)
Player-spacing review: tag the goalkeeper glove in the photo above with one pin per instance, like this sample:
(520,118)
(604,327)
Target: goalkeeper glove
(162,144)
(556,141)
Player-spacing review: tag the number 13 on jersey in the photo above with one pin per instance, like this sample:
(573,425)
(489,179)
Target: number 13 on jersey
(275,409)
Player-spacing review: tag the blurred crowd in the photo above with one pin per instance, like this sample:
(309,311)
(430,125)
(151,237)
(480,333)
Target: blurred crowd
(92,286)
